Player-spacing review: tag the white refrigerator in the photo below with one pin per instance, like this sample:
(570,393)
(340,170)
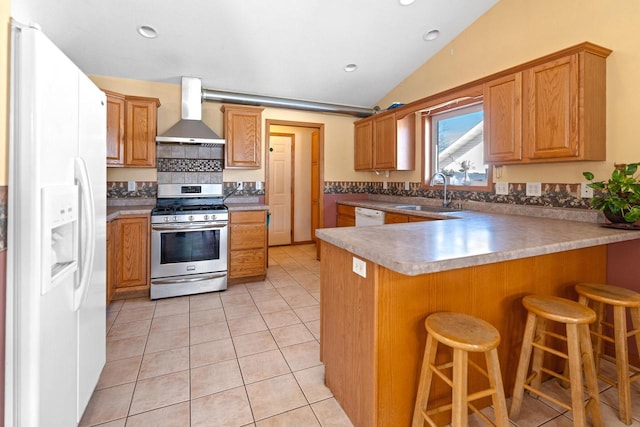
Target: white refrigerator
(56,257)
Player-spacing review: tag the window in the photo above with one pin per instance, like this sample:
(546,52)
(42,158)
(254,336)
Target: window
(454,146)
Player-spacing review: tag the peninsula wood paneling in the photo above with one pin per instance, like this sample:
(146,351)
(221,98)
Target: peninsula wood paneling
(379,322)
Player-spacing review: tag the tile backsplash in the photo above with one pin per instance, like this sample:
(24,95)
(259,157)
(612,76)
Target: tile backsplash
(189,164)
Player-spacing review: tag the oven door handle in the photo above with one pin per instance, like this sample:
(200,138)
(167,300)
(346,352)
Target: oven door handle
(179,227)
(188,279)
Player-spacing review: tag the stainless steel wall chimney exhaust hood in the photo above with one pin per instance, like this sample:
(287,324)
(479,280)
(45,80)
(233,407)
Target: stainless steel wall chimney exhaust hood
(190,129)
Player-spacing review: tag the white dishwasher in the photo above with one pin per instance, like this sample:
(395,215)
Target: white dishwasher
(365,217)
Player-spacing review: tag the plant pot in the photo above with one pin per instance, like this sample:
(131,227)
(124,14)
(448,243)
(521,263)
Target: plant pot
(614,217)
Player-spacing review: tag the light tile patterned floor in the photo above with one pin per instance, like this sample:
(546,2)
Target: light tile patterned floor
(248,356)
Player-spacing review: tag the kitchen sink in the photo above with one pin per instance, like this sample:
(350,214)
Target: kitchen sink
(426,208)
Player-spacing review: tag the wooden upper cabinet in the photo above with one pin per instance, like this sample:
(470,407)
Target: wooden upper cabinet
(242,134)
(131,130)
(115,128)
(385,142)
(140,137)
(363,159)
(502,104)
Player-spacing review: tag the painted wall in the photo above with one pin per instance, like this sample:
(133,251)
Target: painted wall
(338,131)
(516,31)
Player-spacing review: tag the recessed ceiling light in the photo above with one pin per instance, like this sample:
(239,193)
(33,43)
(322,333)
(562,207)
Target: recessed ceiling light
(406,2)
(349,68)
(147,31)
(431,35)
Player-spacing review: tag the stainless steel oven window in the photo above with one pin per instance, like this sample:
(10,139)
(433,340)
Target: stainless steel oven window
(188,246)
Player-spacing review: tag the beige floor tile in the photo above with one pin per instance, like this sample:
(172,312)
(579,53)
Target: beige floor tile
(301,300)
(212,352)
(534,412)
(169,416)
(235,289)
(331,414)
(108,404)
(272,306)
(246,325)
(111,318)
(168,323)
(240,311)
(275,396)
(264,294)
(164,362)
(256,342)
(172,306)
(142,313)
(205,301)
(290,335)
(281,318)
(132,304)
(115,305)
(116,423)
(302,356)
(130,329)
(298,417)
(291,290)
(311,381)
(119,372)
(238,298)
(157,392)
(225,409)
(284,281)
(166,340)
(210,332)
(257,286)
(261,366)
(314,328)
(125,348)
(308,313)
(206,317)
(215,378)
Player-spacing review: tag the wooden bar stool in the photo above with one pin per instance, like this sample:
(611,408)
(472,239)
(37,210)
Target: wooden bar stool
(576,318)
(463,333)
(599,295)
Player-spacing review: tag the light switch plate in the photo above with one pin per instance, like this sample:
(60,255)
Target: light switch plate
(131,186)
(534,189)
(407,186)
(360,267)
(258,185)
(384,185)
(502,188)
(586,192)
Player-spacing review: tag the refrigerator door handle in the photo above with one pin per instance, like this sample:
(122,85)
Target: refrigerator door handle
(88,215)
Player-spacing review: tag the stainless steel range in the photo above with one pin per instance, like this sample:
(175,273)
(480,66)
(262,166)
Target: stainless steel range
(188,240)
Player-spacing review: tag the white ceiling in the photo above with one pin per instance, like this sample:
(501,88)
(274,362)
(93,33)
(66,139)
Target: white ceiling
(282,48)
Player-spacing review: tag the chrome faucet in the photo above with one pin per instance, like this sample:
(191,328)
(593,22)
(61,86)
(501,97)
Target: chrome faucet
(446,201)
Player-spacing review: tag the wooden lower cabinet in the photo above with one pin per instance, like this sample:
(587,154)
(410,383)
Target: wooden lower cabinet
(247,246)
(128,261)
(346,216)
(396,218)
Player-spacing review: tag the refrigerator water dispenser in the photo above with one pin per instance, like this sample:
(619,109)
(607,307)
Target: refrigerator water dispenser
(60,234)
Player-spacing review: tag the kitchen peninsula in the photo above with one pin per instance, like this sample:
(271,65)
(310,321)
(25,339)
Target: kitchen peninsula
(372,327)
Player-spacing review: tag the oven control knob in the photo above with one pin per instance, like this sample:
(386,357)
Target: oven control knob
(190,217)
(175,218)
(166,219)
(206,217)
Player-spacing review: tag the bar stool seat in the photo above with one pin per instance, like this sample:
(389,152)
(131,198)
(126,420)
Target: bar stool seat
(621,299)
(464,334)
(576,318)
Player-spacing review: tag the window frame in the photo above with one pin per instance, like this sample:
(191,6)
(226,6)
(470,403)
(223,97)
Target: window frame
(451,102)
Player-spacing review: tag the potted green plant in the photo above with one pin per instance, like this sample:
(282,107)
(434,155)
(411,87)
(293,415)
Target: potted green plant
(618,197)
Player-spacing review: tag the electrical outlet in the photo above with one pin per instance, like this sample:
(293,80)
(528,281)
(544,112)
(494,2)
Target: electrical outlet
(131,186)
(360,267)
(586,192)
(385,185)
(239,185)
(502,188)
(534,189)
(258,185)
(407,186)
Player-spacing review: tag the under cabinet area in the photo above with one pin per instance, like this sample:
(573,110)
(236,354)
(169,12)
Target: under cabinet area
(131,130)
(128,263)
(396,218)
(247,245)
(346,216)
(385,142)
(242,136)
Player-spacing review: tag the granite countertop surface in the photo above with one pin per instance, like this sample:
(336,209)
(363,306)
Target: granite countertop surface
(246,206)
(467,238)
(114,212)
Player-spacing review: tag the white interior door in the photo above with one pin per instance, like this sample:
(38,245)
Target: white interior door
(280,199)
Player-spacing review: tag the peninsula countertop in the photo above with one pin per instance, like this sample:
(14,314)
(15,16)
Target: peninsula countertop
(465,238)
